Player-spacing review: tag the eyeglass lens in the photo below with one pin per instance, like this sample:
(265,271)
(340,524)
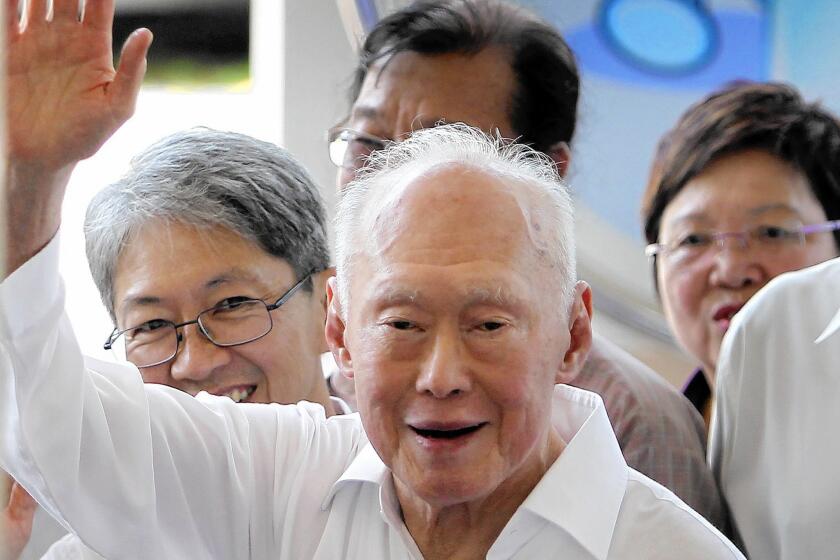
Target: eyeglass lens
(229,325)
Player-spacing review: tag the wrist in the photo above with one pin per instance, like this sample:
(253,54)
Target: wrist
(33,199)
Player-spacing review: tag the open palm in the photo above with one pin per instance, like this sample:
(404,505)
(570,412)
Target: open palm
(65,99)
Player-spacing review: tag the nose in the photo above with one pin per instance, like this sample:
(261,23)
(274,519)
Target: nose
(737,265)
(197,357)
(445,372)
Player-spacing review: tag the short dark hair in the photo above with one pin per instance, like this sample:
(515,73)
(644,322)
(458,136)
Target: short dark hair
(544,106)
(772,117)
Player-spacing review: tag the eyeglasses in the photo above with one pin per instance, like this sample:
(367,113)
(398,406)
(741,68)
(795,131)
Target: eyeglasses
(350,149)
(766,238)
(235,322)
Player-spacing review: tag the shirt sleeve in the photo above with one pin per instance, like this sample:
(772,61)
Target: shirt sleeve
(70,547)
(146,471)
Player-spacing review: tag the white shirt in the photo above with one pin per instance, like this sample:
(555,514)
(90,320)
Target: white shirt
(145,471)
(774,446)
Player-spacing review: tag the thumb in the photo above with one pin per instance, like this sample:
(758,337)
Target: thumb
(124,88)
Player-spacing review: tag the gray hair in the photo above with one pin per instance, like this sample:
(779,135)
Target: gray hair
(207,178)
(460,144)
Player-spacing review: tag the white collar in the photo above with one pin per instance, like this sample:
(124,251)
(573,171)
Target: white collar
(833,327)
(581,493)
(339,406)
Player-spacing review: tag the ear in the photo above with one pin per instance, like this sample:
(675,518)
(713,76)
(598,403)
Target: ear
(319,294)
(562,155)
(335,330)
(580,335)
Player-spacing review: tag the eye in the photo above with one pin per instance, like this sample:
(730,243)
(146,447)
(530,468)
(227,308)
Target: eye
(148,332)
(490,326)
(694,240)
(238,307)
(149,326)
(233,302)
(773,233)
(401,325)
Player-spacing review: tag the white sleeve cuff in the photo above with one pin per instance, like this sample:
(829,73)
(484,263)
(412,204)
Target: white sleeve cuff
(30,293)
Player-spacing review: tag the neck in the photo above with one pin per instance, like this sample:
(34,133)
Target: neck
(321,395)
(467,530)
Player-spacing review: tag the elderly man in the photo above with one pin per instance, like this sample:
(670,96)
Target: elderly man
(496,67)
(456,339)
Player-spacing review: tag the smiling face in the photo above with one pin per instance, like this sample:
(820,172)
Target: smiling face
(735,193)
(411,91)
(455,336)
(173,272)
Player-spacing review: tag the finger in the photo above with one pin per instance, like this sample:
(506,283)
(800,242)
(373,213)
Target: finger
(21,504)
(66,10)
(99,14)
(123,90)
(12,17)
(36,12)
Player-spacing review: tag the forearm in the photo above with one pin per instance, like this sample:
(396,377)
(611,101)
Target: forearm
(33,205)
(83,439)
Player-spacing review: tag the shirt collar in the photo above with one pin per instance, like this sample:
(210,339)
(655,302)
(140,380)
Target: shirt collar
(340,406)
(367,467)
(581,493)
(833,327)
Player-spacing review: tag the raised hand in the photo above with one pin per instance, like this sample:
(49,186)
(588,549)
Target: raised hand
(65,99)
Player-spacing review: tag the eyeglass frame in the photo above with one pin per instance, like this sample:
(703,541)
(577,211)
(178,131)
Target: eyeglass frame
(287,295)
(335,132)
(654,250)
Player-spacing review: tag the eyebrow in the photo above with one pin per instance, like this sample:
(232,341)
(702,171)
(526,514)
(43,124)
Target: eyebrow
(773,207)
(475,295)
(763,209)
(498,295)
(228,277)
(372,113)
(365,112)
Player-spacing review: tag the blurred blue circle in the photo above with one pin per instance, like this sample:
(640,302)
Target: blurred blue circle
(660,36)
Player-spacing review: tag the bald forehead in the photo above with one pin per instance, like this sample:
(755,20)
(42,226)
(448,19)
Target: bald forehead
(456,205)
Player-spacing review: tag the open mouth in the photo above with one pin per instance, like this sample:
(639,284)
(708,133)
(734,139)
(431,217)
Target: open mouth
(239,394)
(448,433)
(725,313)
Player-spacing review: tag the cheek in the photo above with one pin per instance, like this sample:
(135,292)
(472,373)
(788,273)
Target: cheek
(682,295)
(158,374)
(814,254)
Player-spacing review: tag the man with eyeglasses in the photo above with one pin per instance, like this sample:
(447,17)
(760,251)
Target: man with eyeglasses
(211,257)
(210,254)
(494,66)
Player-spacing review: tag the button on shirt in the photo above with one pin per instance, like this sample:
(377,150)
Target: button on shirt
(144,471)
(773,443)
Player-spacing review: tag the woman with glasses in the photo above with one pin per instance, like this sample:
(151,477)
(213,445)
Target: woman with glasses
(745,187)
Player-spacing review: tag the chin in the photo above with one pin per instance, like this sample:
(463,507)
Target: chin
(449,489)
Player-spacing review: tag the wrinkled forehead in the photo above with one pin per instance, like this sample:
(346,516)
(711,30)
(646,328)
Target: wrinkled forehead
(409,91)
(453,207)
